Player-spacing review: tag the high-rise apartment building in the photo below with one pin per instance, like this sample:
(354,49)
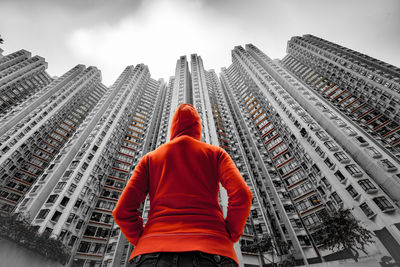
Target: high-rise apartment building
(310,134)
(277,165)
(74,197)
(181,88)
(33,134)
(364,93)
(102,243)
(21,76)
(316,160)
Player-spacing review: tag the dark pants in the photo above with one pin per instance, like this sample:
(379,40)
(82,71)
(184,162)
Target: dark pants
(181,259)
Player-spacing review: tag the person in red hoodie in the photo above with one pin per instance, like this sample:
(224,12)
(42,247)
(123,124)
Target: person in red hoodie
(185,226)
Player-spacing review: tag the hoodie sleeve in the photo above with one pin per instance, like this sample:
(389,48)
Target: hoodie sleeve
(126,213)
(239,196)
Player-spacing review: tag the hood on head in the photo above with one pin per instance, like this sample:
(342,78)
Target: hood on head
(186,121)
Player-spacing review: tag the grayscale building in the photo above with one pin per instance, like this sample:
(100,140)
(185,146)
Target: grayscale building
(32,134)
(312,133)
(21,76)
(314,159)
(77,192)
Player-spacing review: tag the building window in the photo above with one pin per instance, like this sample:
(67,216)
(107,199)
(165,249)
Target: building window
(373,152)
(341,156)
(367,185)
(43,214)
(84,247)
(362,141)
(56,216)
(349,131)
(72,241)
(329,163)
(307,157)
(383,203)
(353,193)
(340,176)
(388,165)
(107,218)
(322,135)
(91,197)
(84,190)
(304,241)
(62,235)
(90,179)
(24,202)
(90,230)
(320,152)
(353,170)
(366,209)
(78,177)
(78,203)
(325,182)
(60,185)
(340,123)
(315,168)
(43,178)
(336,198)
(330,205)
(302,205)
(47,231)
(294,178)
(314,200)
(64,201)
(301,189)
(34,189)
(96,216)
(311,220)
(70,217)
(79,224)
(72,188)
(52,198)
(74,164)
(84,166)
(86,210)
(331,145)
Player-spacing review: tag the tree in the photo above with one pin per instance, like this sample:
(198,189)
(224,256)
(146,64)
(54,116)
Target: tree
(259,246)
(16,228)
(340,230)
(1,40)
(265,244)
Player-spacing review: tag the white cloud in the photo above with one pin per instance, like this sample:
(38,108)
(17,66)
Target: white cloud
(157,36)
(162,30)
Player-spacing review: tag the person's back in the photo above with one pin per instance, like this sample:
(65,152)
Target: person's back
(182,178)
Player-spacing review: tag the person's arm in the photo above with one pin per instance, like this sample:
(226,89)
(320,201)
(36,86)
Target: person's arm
(126,213)
(239,195)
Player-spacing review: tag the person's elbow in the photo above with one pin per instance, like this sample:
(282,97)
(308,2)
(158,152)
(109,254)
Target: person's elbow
(245,196)
(248,196)
(117,214)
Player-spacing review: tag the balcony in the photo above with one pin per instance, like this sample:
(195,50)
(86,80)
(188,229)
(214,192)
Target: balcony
(312,208)
(361,141)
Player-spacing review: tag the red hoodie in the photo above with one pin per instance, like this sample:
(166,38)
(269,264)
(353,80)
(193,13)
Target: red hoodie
(182,179)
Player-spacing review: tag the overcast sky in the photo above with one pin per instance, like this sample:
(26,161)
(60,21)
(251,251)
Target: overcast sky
(113,34)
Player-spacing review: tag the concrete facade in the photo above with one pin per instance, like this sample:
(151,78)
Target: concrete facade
(301,130)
